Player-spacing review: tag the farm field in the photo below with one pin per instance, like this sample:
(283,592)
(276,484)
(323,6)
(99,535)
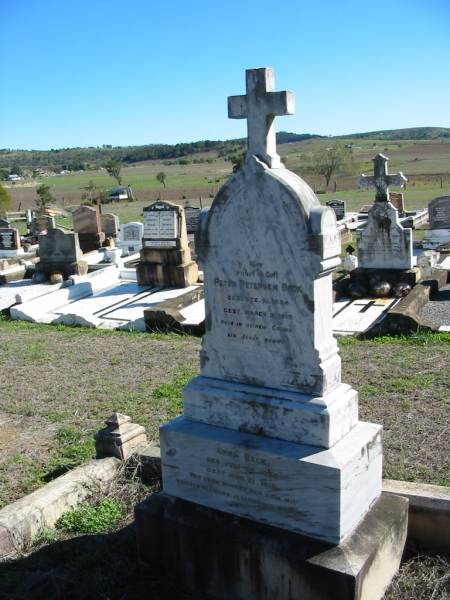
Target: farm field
(425,162)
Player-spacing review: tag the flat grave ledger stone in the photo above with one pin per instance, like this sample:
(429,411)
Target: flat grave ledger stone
(130,239)
(339,208)
(10,244)
(384,243)
(397,200)
(439,218)
(110,225)
(60,252)
(192,214)
(86,222)
(165,256)
(269,434)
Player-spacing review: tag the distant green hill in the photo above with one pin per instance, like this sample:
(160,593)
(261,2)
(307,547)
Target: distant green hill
(412,133)
(76,159)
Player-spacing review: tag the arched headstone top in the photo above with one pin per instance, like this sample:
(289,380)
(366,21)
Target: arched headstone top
(268,248)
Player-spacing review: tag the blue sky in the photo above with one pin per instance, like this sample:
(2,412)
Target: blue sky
(80,73)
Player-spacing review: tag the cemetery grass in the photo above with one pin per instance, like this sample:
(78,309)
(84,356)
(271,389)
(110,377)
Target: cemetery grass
(59,383)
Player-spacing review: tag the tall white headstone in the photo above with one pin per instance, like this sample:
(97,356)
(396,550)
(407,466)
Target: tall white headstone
(269,431)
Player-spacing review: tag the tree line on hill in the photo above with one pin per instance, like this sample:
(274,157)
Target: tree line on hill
(79,159)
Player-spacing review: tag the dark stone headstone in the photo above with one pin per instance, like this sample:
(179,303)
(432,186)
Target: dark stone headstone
(339,208)
(439,213)
(59,247)
(9,239)
(4,223)
(192,214)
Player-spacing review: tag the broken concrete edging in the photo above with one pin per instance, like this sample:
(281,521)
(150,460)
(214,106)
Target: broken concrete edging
(23,519)
(428,516)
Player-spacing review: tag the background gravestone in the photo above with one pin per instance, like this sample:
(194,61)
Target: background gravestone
(383,243)
(86,222)
(165,255)
(10,244)
(192,215)
(110,225)
(397,200)
(269,435)
(41,224)
(4,224)
(60,252)
(438,235)
(130,240)
(339,208)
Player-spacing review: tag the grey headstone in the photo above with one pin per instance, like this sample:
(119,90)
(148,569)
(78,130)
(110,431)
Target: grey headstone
(58,246)
(110,224)
(339,208)
(192,215)
(4,223)
(439,213)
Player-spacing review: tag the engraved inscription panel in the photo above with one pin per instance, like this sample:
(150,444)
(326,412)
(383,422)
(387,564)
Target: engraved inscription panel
(161,224)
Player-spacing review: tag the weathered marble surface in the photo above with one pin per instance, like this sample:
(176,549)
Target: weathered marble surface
(322,493)
(384,243)
(268,251)
(292,416)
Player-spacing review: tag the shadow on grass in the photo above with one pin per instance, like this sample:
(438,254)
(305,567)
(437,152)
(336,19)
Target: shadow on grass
(83,568)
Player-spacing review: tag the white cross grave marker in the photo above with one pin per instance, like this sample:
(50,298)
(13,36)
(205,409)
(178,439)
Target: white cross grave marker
(380,179)
(260,106)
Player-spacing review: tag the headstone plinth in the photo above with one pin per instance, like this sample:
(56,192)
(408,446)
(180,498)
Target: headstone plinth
(10,245)
(60,252)
(437,237)
(270,435)
(165,255)
(86,223)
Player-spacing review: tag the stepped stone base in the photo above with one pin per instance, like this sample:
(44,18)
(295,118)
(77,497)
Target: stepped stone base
(177,276)
(314,491)
(225,556)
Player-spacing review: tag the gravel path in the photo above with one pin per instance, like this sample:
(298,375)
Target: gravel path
(438,309)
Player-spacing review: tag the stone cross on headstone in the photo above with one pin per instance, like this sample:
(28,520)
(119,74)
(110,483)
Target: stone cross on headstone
(260,106)
(380,179)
